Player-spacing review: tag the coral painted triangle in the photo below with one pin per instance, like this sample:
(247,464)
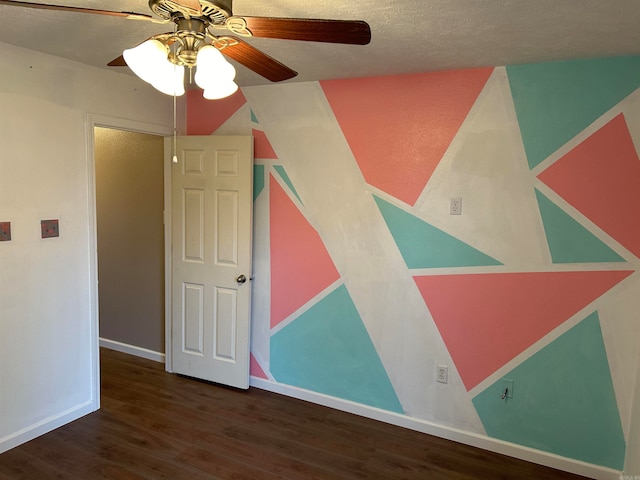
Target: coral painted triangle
(301,266)
(204,116)
(599,176)
(255,369)
(486,320)
(261,146)
(399,127)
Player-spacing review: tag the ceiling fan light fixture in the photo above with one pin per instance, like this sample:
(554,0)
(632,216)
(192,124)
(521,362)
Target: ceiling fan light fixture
(212,68)
(221,90)
(148,60)
(171,82)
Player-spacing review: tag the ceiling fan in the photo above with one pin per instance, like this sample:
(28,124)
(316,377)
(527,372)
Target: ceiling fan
(205,28)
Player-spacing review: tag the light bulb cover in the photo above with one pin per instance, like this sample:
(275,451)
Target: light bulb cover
(212,68)
(147,60)
(171,81)
(220,90)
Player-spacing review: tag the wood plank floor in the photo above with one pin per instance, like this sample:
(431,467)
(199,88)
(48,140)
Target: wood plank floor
(154,425)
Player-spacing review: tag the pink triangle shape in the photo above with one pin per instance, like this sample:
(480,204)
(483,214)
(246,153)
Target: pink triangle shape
(204,116)
(601,178)
(261,146)
(255,370)
(300,264)
(486,320)
(399,127)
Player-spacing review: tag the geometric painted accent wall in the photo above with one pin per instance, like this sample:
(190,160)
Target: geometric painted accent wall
(563,400)
(360,290)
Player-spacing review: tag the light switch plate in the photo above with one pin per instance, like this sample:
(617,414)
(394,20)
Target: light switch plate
(50,228)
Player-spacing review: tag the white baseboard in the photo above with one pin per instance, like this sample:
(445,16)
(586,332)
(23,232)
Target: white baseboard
(132,350)
(468,438)
(45,426)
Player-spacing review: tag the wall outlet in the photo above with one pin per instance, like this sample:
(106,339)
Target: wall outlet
(442,373)
(507,388)
(455,207)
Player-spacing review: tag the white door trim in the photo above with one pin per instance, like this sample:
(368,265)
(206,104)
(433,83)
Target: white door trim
(94,120)
(168,261)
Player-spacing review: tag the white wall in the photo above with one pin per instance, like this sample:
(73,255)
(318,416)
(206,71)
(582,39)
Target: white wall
(48,342)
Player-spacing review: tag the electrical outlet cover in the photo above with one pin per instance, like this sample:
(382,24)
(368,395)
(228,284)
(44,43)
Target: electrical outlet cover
(507,386)
(455,206)
(442,374)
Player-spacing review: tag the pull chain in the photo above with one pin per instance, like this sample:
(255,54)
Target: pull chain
(175,139)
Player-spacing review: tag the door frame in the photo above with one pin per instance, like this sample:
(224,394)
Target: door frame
(92,121)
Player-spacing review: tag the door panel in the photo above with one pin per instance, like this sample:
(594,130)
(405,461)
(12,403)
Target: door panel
(212,202)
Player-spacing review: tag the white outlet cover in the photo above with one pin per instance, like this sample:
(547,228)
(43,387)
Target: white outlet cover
(442,374)
(455,206)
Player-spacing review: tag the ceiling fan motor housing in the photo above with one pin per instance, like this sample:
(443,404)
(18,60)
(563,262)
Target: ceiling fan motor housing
(214,11)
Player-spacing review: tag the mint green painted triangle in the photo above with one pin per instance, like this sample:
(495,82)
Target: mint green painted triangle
(563,401)
(425,246)
(254,119)
(570,242)
(287,180)
(258,180)
(327,350)
(556,101)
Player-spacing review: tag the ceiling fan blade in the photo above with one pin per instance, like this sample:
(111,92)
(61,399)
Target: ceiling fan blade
(117,62)
(62,8)
(355,32)
(254,59)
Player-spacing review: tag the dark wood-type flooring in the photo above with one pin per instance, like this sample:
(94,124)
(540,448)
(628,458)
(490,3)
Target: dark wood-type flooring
(155,425)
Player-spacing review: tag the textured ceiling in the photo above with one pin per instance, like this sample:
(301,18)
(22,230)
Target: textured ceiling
(408,36)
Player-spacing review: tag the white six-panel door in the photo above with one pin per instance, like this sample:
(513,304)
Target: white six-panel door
(212,202)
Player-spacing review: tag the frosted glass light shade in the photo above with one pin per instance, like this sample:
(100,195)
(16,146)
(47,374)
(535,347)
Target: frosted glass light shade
(150,62)
(214,74)
(220,90)
(147,60)
(171,82)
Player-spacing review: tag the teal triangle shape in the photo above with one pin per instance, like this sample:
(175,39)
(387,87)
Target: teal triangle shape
(283,174)
(258,180)
(328,350)
(570,242)
(425,246)
(556,101)
(563,401)
(254,119)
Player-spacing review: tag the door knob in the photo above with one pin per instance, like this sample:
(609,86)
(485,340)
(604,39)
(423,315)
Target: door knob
(241,279)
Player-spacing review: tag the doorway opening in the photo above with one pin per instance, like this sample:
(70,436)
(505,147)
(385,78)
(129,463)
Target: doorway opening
(129,180)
